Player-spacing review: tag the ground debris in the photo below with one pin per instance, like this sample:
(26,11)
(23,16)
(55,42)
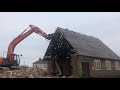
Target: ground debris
(30,73)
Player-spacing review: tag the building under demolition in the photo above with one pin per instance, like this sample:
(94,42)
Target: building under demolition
(74,54)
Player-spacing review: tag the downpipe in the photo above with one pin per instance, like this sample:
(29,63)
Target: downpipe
(60,73)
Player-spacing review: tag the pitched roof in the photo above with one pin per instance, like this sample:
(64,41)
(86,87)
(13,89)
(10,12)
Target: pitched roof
(87,45)
(40,61)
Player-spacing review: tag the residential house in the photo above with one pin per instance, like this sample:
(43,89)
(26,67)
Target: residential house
(74,54)
(40,64)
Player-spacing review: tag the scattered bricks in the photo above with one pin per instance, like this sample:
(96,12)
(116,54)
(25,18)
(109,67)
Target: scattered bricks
(1,71)
(33,73)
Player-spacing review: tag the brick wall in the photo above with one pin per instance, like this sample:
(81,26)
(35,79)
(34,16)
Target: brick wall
(103,73)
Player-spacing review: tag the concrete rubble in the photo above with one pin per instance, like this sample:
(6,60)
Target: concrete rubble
(30,73)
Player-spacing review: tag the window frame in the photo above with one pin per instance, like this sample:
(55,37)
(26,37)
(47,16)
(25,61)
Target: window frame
(97,64)
(109,63)
(118,65)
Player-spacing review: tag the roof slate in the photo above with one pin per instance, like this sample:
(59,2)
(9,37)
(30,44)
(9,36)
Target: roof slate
(87,45)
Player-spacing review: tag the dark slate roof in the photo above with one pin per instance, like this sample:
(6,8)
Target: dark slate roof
(87,45)
(40,61)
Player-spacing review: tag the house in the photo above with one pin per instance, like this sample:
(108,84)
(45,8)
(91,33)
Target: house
(23,67)
(74,54)
(40,64)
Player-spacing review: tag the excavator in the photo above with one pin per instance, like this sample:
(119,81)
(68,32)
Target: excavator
(13,60)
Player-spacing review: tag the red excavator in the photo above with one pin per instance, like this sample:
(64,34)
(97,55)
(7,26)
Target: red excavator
(13,59)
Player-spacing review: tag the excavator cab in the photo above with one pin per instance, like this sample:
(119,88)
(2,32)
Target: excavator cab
(17,59)
(16,62)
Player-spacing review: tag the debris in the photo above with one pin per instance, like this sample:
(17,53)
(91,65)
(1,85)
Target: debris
(31,73)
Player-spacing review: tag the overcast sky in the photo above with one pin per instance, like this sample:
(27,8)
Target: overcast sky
(103,25)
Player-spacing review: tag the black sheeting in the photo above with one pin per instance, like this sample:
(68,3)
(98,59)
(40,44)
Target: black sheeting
(59,48)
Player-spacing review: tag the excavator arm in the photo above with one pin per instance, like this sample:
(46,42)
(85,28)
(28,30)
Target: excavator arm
(22,36)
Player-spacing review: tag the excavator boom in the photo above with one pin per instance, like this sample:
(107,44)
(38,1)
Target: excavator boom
(22,36)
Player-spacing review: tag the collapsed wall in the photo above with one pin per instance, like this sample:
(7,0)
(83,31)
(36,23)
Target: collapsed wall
(59,54)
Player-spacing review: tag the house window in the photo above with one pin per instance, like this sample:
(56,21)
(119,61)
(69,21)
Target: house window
(108,65)
(117,65)
(97,64)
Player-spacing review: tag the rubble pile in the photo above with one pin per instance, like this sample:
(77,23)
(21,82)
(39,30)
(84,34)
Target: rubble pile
(32,73)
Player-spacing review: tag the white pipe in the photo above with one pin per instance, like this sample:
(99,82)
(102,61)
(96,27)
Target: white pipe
(60,73)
